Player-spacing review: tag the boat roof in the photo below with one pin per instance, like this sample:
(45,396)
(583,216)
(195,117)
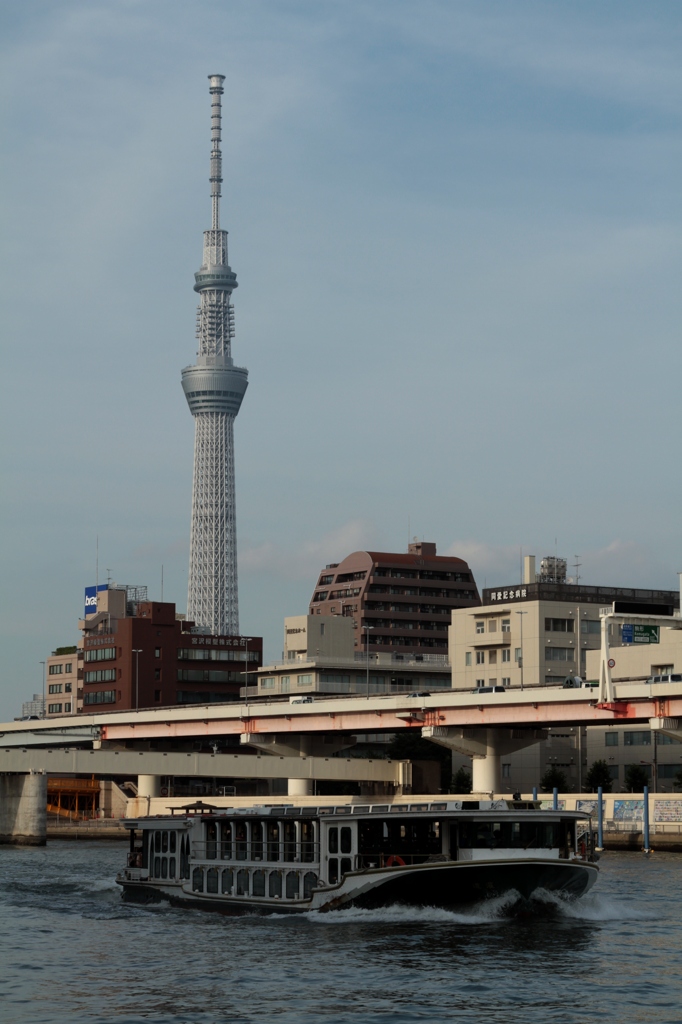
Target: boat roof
(465,808)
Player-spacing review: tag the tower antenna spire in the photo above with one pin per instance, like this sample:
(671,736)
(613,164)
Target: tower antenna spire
(216,176)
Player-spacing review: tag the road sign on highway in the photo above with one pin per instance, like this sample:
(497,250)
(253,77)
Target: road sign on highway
(637,634)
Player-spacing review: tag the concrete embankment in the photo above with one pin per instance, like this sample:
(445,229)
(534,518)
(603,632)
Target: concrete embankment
(670,842)
(98,829)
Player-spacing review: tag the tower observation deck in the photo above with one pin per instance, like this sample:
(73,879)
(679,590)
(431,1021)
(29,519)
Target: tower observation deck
(214,388)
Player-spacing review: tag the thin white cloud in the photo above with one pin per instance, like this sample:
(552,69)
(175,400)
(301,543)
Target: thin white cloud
(304,561)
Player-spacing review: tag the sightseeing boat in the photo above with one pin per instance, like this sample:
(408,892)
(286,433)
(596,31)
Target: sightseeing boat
(295,859)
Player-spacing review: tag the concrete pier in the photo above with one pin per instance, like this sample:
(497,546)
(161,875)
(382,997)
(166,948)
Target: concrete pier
(23,810)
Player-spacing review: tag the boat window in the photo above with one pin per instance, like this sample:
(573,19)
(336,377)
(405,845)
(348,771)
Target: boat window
(292,885)
(256,840)
(240,839)
(212,880)
(333,840)
(333,871)
(275,884)
(211,840)
(164,842)
(273,840)
(147,840)
(522,835)
(289,840)
(346,865)
(226,840)
(227,882)
(157,842)
(258,883)
(164,867)
(308,842)
(184,857)
(198,880)
(157,867)
(173,842)
(171,867)
(243,882)
(346,839)
(309,883)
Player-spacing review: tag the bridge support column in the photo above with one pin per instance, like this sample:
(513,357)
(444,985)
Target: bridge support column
(486,747)
(148,785)
(23,809)
(300,787)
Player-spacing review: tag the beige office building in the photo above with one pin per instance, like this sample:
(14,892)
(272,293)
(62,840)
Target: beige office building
(62,682)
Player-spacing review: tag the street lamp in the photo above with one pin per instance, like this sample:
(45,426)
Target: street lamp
(137,651)
(521,645)
(367,629)
(44,690)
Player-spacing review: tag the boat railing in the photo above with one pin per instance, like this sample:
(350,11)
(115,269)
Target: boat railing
(391,860)
(268,853)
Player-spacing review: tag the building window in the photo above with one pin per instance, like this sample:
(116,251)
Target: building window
(613,771)
(506,680)
(157,695)
(68,667)
(55,670)
(102,675)
(662,670)
(611,739)
(480,626)
(67,687)
(506,625)
(67,707)
(506,655)
(304,680)
(467,659)
(637,739)
(285,684)
(559,625)
(559,654)
(268,684)
(590,626)
(157,674)
(492,657)
(54,688)
(157,652)
(492,682)
(517,654)
(480,657)
(492,625)
(480,683)
(54,709)
(101,654)
(506,771)
(100,697)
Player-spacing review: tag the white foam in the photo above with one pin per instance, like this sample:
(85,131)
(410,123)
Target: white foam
(487,912)
(593,907)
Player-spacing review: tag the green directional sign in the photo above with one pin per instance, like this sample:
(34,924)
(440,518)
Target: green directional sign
(636,634)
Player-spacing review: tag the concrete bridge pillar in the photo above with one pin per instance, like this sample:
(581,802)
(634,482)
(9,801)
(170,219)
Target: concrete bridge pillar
(23,809)
(296,745)
(300,787)
(148,785)
(486,747)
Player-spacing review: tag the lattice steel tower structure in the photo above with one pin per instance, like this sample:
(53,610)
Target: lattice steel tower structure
(214,388)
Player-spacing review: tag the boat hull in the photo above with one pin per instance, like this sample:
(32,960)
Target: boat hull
(447,885)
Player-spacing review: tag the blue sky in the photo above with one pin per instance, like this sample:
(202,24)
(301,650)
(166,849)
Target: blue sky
(457,233)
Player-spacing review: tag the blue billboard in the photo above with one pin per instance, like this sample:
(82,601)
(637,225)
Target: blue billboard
(91,598)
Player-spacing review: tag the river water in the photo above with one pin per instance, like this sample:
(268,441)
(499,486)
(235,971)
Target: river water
(70,950)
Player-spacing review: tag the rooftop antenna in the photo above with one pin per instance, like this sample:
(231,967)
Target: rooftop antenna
(576,566)
(97,562)
(162,583)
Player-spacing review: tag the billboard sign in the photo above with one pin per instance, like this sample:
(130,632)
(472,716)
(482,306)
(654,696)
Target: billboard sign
(91,598)
(637,634)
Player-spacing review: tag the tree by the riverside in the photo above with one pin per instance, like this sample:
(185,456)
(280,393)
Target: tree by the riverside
(678,778)
(461,782)
(636,778)
(554,778)
(598,775)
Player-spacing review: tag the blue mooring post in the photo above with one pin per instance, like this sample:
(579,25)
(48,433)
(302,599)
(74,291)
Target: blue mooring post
(647,848)
(535,792)
(600,818)
(555,799)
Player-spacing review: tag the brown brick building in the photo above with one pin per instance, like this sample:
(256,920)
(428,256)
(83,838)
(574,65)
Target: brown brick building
(141,655)
(404,599)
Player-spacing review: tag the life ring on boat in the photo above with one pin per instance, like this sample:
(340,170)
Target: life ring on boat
(163,791)
(395,859)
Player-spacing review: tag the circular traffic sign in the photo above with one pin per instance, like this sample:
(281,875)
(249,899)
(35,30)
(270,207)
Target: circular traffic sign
(611,663)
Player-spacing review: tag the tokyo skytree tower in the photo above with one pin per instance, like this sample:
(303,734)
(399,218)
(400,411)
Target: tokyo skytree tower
(214,388)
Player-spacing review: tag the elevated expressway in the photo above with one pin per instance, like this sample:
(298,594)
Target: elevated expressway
(297,740)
